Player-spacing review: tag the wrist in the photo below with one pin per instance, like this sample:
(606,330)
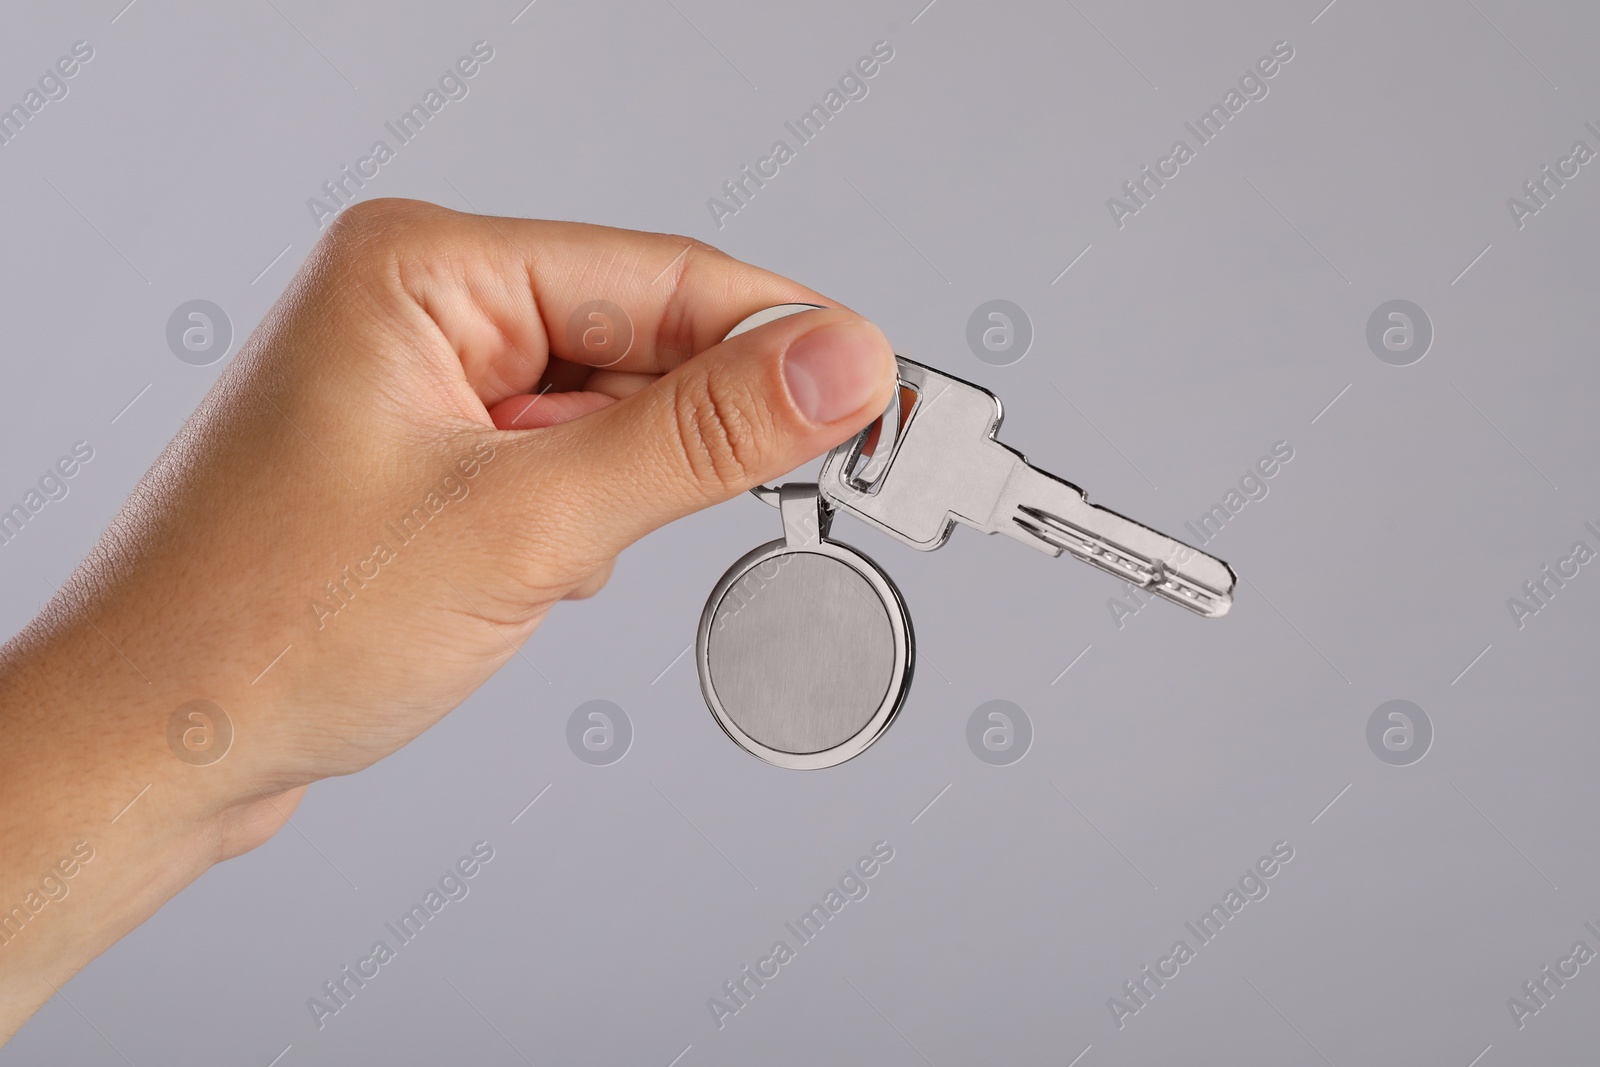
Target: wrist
(92,737)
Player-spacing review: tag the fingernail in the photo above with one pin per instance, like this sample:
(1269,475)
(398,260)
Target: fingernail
(832,371)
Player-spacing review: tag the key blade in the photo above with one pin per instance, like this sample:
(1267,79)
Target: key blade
(946,467)
(1040,509)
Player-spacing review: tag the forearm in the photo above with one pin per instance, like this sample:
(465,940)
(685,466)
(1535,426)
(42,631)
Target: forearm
(97,831)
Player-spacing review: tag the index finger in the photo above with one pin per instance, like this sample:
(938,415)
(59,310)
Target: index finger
(508,293)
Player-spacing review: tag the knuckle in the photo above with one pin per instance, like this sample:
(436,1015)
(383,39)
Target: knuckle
(372,231)
(364,221)
(694,245)
(719,432)
(675,341)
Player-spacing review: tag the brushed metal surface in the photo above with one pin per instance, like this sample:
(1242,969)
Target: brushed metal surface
(802,652)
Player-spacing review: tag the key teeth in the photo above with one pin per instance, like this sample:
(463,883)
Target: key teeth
(1213,607)
(1151,575)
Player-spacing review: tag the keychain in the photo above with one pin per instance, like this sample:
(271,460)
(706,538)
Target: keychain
(805,649)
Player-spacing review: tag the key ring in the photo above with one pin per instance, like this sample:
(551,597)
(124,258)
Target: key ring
(805,649)
(888,422)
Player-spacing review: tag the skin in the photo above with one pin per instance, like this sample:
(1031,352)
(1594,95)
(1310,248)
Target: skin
(414,345)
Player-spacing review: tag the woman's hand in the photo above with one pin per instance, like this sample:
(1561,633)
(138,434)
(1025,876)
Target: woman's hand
(408,463)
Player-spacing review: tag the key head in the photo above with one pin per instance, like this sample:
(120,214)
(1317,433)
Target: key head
(944,464)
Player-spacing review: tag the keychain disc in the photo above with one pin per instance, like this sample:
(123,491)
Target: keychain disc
(805,653)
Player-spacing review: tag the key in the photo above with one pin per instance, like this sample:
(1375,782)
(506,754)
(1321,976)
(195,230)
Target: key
(934,462)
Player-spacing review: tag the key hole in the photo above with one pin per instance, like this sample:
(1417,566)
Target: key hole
(878,444)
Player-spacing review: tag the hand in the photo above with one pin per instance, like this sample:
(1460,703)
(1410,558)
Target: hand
(405,467)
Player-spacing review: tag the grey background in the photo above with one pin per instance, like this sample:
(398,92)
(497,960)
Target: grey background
(1224,317)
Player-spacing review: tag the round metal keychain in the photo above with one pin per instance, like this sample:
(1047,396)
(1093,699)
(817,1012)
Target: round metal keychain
(805,649)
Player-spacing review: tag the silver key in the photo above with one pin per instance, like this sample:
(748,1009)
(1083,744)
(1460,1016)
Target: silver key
(934,461)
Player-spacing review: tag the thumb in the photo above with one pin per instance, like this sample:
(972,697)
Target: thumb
(740,413)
